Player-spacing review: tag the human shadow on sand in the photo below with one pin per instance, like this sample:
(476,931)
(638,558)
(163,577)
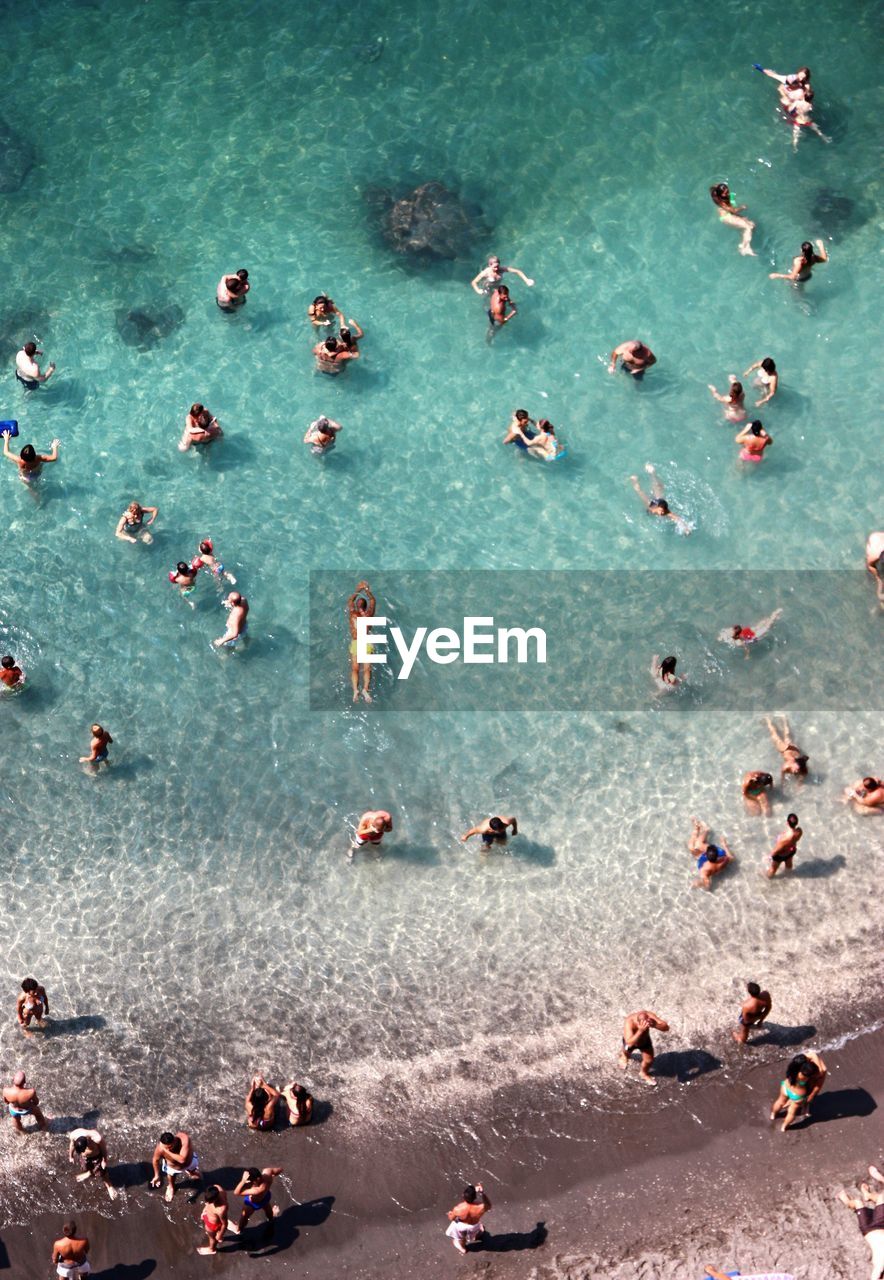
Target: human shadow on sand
(841,1104)
(787,1037)
(4,1257)
(64,1124)
(818,868)
(127,1271)
(685,1065)
(512,1241)
(133,1173)
(78,1026)
(262,1243)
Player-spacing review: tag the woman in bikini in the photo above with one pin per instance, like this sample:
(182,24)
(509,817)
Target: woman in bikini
(803,264)
(794,759)
(656,505)
(322,311)
(261,1103)
(755,787)
(805,1077)
(766,378)
(753,441)
(29,461)
(730,213)
(734,408)
(299,1102)
(664,675)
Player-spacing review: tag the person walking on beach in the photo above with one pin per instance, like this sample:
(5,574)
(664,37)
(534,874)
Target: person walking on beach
(492,831)
(32,1003)
(711,858)
(754,788)
(11,675)
(869,1210)
(637,1037)
(88,1149)
(466,1218)
(70,1254)
(636,357)
(786,846)
(361,604)
(262,1101)
(21,1100)
(766,378)
(656,505)
(803,264)
(804,1080)
(27,370)
(237,620)
(754,1010)
(371,828)
(492,275)
(101,740)
(794,759)
(232,290)
(174,1157)
(255,1188)
(214,1218)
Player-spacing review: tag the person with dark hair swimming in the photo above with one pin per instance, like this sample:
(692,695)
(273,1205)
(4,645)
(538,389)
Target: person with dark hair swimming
(753,1012)
(200,427)
(498,315)
(28,371)
(800,116)
(657,504)
(664,673)
(786,847)
(349,338)
(29,461)
(635,357)
(711,858)
(98,746)
(11,675)
(794,759)
(332,355)
(466,1218)
(803,264)
(361,604)
(733,402)
(740,637)
(804,1079)
(729,212)
(867,794)
(262,1101)
(766,377)
(322,311)
(492,830)
(753,441)
(321,435)
(754,789)
(232,289)
(519,430)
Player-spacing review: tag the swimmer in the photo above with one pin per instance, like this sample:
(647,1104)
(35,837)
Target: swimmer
(232,290)
(206,559)
(492,830)
(739,637)
(729,213)
(754,789)
(657,505)
(789,86)
(254,1187)
(261,1103)
(361,604)
(804,1080)
(802,266)
(29,461)
(466,1218)
(753,1012)
(32,1003)
(637,1036)
(753,441)
(214,1218)
(299,1102)
(27,370)
(371,829)
(88,1149)
(70,1254)
(867,794)
(875,562)
(870,1220)
(321,434)
(21,1100)
(663,673)
(498,315)
(786,847)
(491,276)
(545,444)
(733,401)
(200,427)
(636,357)
(766,378)
(184,577)
(101,740)
(711,858)
(11,675)
(322,311)
(174,1157)
(799,114)
(794,759)
(332,354)
(129,526)
(519,431)
(237,620)
(350,339)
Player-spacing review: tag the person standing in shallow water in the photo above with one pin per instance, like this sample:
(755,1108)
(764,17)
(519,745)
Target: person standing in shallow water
(501,309)
(729,212)
(636,358)
(637,1038)
(28,371)
(786,847)
(11,675)
(32,1003)
(492,830)
(753,1012)
(803,264)
(492,275)
(232,289)
(466,1218)
(101,740)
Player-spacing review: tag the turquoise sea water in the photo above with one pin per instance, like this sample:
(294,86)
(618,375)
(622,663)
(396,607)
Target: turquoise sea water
(195,901)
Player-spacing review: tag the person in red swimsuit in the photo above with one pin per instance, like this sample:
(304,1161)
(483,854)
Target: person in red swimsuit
(214,1218)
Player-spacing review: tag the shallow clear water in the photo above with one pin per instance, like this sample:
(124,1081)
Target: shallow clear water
(195,899)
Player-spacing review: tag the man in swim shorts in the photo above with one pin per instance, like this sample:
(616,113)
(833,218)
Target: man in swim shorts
(786,846)
(371,828)
(214,1218)
(635,355)
(361,604)
(711,858)
(27,370)
(637,1036)
(519,431)
(867,793)
(753,1012)
(492,831)
(70,1253)
(174,1156)
(98,746)
(237,620)
(32,1003)
(869,1210)
(11,675)
(466,1218)
(255,1189)
(88,1149)
(21,1100)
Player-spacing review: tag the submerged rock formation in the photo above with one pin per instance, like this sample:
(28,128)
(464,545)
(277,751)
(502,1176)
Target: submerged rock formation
(145,328)
(16,159)
(429,222)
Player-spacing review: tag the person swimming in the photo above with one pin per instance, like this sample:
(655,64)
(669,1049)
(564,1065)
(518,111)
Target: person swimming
(130,526)
(766,378)
(232,289)
(29,461)
(729,212)
(491,276)
(733,401)
(753,441)
(740,637)
(519,430)
(803,264)
(799,115)
(794,759)
(322,311)
(200,427)
(657,504)
(11,675)
(664,674)
(545,444)
(498,315)
(711,858)
(321,435)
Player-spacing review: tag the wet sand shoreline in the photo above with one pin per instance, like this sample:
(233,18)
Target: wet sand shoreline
(589,1192)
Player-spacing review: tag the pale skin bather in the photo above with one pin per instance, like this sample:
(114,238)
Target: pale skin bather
(733,402)
(729,213)
(131,526)
(492,275)
(656,505)
(875,562)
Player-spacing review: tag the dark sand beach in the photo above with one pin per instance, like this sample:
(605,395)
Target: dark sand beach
(693,1173)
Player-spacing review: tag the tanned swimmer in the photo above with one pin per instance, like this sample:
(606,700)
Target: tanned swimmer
(492,830)
(98,747)
(803,264)
(501,310)
(21,1100)
(711,858)
(753,1012)
(637,1038)
(361,604)
(794,759)
(636,357)
(867,794)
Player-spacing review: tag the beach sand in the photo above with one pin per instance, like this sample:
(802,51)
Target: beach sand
(691,1174)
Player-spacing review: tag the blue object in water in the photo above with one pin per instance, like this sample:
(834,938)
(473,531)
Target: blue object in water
(727,1273)
(758,67)
(11,427)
